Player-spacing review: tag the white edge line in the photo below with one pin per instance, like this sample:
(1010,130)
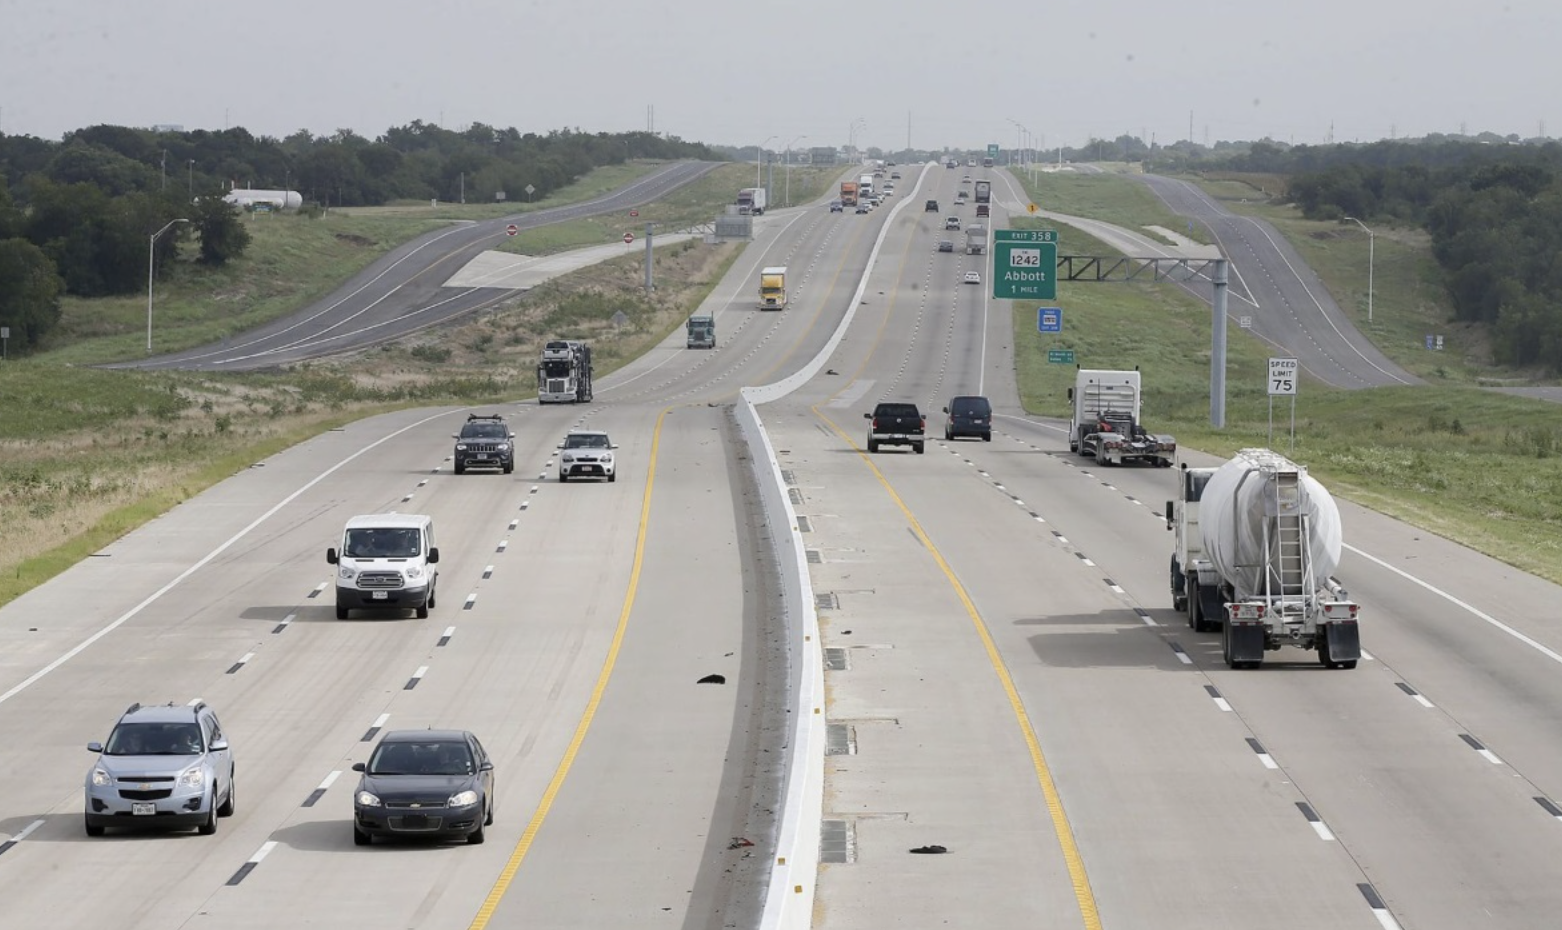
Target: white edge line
(329,780)
(1546,651)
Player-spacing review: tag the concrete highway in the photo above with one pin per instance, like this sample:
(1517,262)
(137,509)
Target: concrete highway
(1007,680)
(403,292)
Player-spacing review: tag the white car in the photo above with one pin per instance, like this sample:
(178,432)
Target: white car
(972,277)
(586,452)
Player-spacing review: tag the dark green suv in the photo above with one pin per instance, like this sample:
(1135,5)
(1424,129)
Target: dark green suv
(485,442)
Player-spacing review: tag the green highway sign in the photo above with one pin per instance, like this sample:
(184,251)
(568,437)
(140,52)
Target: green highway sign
(1025,264)
(1060,356)
(992,150)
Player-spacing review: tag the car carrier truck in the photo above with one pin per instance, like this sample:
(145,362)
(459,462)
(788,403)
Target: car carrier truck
(1257,542)
(1105,424)
(564,373)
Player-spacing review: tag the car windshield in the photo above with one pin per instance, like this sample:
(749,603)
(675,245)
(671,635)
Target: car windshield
(428,757)
(154,739)
(971,406)
(484,431)
(381,544)
(586,442)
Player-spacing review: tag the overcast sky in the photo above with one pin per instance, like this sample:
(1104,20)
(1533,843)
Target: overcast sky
(736,72)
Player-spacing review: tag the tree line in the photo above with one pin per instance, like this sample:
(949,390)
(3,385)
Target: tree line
(76,216)
(1493,209)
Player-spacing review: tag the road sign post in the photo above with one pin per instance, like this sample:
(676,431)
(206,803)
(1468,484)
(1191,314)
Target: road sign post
(1025,264)
(1282,383)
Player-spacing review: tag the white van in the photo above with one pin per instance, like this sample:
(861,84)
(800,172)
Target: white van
(386,561)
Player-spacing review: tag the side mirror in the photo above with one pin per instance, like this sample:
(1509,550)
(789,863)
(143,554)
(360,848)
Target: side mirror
(218,745)
(330,557)
(359,767)
(867,416)
(486,767)
(455,435)
(1170,519)
(613,446)
(433,554)
(559,446)
(94,746)
(946,409)
(1070,393)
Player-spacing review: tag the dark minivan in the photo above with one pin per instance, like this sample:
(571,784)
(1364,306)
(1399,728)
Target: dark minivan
(969,416)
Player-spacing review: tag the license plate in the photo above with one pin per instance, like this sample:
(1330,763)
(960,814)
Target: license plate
(415,822)
(143,809)
(378,595)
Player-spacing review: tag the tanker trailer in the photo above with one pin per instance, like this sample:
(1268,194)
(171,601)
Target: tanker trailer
(1257,543)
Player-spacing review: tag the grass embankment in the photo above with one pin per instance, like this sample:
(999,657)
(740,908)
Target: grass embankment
(1472,465)
(89,454)
(687,208)
(1111,198)
(293,259)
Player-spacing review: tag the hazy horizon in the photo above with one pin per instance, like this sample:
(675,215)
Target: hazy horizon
(803,73)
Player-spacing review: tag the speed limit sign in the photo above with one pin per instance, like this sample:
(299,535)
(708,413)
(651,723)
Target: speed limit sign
(1282,376)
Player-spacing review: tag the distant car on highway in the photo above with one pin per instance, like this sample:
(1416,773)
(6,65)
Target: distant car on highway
(946,245)
(930,207)
(587,452)
(972,277)
(863,207)
(968,415)
(837,207)
(951,222)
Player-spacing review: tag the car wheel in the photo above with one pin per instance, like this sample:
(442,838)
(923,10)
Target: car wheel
(563,477)
(341,613)
(421,611)
(489,820)
(509,467)
(93,829)
(613,476)
(226,810)
(948,436)
(460,468)
(872,447)
(210,826)
(917,448)
(432,590)
(361,838)
(476,837)
(987,437)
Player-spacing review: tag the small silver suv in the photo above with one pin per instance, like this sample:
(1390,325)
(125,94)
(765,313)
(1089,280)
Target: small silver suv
(163,766)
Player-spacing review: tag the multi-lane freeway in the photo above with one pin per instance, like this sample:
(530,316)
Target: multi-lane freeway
(1006,680)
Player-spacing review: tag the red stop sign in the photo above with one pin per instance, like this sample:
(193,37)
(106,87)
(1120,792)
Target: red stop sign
(511,229)
(628,238)
(634,212)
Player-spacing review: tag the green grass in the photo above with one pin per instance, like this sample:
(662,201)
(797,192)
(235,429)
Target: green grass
(598,182)
(293,260)
(1475,466)
(1113,198)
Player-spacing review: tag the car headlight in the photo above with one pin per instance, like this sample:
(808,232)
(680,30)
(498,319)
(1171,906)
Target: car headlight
(101,779)
(193,778)
(460,447)
(366,799)
(566,458)
(414,571)
(462,799)
(347,574)
(504,447)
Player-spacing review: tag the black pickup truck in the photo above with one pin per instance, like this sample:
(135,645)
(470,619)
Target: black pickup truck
(896,425)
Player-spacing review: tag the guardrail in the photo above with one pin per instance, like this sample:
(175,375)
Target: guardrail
(794,875)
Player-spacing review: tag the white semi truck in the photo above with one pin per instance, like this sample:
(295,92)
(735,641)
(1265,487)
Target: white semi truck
(752,201)
(772,288)
(1257,542)
(1105,424)
(564,373)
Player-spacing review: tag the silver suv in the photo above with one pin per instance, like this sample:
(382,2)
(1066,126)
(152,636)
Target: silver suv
(163,766)
(587,452)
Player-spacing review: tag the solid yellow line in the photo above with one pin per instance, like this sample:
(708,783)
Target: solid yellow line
(1049,789)
(524,846)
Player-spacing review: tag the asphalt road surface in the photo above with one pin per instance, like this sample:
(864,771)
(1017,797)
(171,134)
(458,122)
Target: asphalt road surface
(403,291)
(1007,676)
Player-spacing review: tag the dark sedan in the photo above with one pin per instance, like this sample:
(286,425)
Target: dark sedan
(424,783)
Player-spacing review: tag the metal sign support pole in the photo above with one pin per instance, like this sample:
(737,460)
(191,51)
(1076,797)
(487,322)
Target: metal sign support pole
(1217,359)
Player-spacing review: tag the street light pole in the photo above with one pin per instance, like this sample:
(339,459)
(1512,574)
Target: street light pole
(759,151)
(789,168)
(1371,261)
(151,259)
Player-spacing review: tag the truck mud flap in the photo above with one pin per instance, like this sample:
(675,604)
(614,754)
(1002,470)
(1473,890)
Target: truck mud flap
(1244,644)
(1341,645)
(1212,610)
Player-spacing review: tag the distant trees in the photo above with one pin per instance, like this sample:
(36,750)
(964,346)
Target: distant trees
(87,204)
